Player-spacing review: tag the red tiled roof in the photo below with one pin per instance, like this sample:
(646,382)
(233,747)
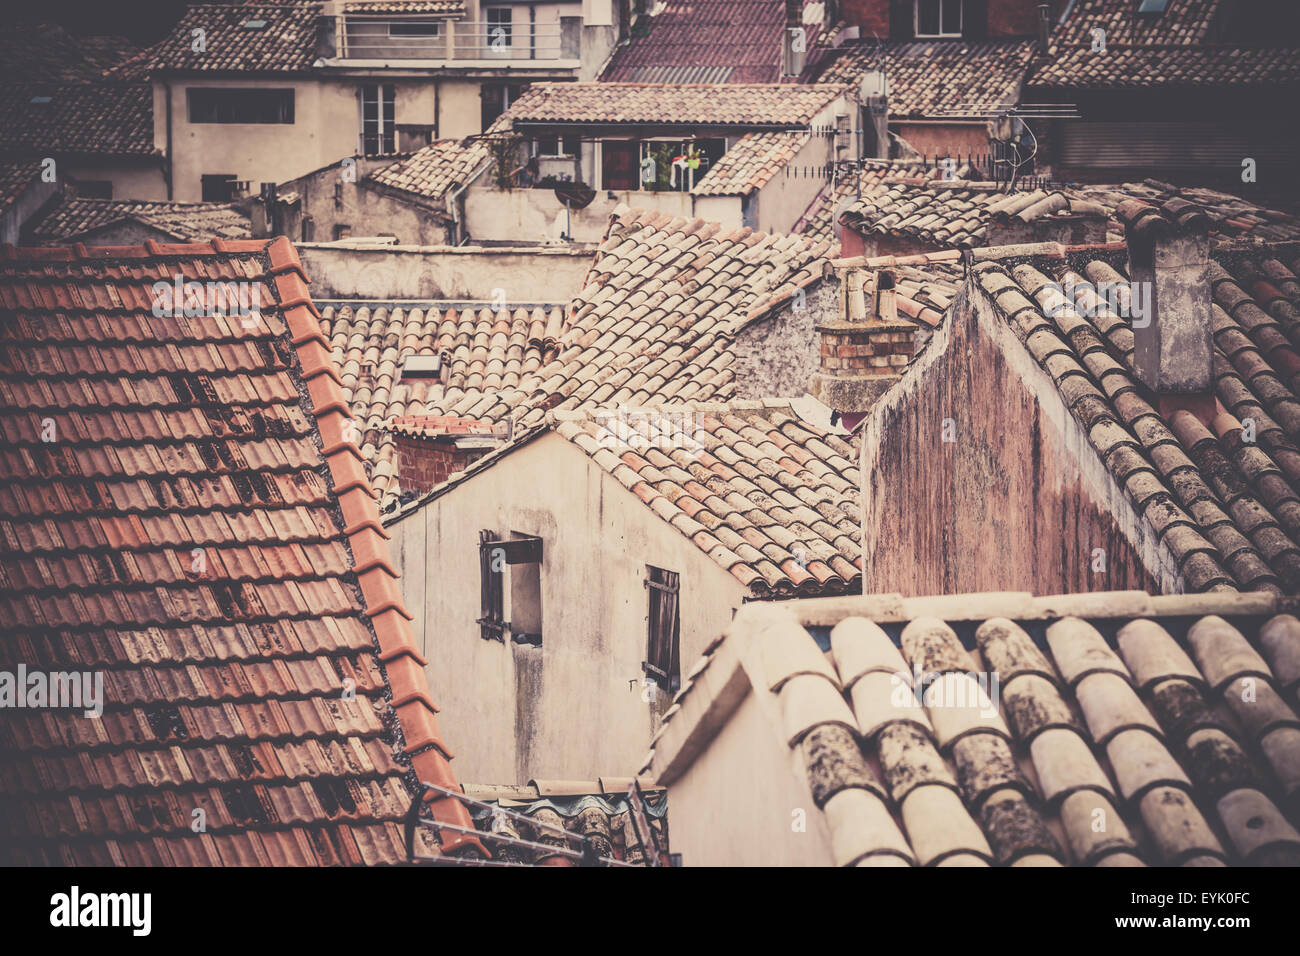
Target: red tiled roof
(851,180)
(939,78)
(201,533)
(433,170)
(751,163)
(770,498)
(426,426)
(715,41)
(112,119)
(1172,719)
(733,104)
(1228,510)
(1183,23)
(1175,66)
(176,221)
(15,178)
(286,44)
(447,8)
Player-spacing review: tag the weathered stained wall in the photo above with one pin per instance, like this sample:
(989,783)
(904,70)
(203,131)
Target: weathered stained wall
(934,140)
(776,357)
(387,273)
(573,708)
(1017,502)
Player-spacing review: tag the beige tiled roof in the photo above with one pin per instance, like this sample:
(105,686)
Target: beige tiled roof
(286,44)
(15,177)
(179,221)
(1228,510)
(970,730)
(1230,216)
(853,179)
(1183,23)
(446,8)
(925,284)
(436,168)
(487,353)
(769,497)
(731,104)
(105,119)
(939,77)
(947,214)
(751,164)
(1177,66)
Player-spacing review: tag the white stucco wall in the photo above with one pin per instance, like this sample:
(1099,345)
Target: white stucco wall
(530,215)
(326,128)
(736,805)
(573,708)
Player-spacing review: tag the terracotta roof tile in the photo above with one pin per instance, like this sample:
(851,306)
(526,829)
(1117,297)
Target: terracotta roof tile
(193,555)
(939,78)
(937,778)
(72,218)
(113,119)
(286,43)
(1227,509)
(751,164)
(433,170)
(762,538)
(765,105)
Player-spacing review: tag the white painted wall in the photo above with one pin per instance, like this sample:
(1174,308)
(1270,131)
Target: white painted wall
(512,713)
(531,215)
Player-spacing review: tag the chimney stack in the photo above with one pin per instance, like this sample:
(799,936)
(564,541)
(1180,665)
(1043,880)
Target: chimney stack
(327,44)
(794,46)
(1044,27)
(866,347)
(1169,259)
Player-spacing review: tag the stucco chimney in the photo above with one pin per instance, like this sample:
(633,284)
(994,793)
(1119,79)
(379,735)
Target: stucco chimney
(327,43)
(1169,257)
(864,349)
(794,43)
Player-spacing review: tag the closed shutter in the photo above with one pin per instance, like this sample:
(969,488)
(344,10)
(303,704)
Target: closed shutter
(1171,145)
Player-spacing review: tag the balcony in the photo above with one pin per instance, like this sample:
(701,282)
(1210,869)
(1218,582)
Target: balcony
(384,39)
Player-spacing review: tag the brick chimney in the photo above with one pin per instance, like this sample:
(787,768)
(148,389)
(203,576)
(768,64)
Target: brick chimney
(432,448)
(1169,257)
(866,347)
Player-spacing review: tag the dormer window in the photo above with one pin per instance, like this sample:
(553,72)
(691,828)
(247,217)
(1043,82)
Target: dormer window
(938,18)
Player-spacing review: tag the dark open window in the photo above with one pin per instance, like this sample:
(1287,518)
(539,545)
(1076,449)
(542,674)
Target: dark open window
(496,99)
(663,644)
(218,187)
(515,563)
(938,18)
(240,106)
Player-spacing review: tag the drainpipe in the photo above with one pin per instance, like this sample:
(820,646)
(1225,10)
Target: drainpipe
(454,202)
(168,163)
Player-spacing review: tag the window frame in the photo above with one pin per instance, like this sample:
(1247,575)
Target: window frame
(196,95)
(383,96)
(663,663)
(942,34)
(520,549)
(415,29)
(508,36)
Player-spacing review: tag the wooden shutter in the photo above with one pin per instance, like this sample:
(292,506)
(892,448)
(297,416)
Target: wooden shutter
(663,644)
(491,625)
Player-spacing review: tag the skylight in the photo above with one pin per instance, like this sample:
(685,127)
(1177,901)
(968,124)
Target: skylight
(1152,6)
(254,24)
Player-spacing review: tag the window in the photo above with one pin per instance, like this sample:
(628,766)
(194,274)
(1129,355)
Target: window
(497,98)
(219,187)
(377,128)
(240,106)
(510,565)
(663,643)
(938,18)
(308,228)
(414,29)
(342,232)
(557,146)
(499,27)
(677,164)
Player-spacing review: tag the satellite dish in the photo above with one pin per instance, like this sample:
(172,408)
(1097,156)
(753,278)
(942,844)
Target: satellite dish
(575,195)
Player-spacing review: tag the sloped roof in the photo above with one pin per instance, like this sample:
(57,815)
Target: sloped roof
(770,498)
(1108,707)
(763,105)
(447,8)
(34,52)
(15,177)
(202,535)
(719,41)
(1186,45)
(431,171)
(111,119)
(939,78)
(179,221)
(1144,67)
(488,352)
(1231,217)
(1227,510)
(751,163)
(286,44)
(851,180)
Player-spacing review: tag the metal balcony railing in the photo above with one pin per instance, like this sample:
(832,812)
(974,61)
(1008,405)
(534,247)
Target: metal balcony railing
(373,38)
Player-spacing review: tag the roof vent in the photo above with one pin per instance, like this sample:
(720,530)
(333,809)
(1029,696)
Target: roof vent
(254,24)
(41,100)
